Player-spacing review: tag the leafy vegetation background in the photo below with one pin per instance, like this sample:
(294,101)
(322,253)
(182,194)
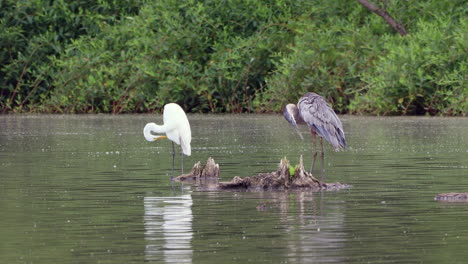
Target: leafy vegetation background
(119,56)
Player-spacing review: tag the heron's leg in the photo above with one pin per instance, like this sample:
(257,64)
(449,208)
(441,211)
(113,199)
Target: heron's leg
(314,147)
(173,157)
(323,158)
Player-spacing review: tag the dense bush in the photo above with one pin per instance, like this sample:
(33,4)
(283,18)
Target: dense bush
(31,32)
(362,66)
(422,73)
(117,56)
(207,56)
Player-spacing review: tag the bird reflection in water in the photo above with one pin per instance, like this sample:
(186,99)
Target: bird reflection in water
(168,228)
(314,228)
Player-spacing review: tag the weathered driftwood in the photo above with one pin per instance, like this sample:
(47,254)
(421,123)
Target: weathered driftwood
(452,197)
(208,177)
(210,170)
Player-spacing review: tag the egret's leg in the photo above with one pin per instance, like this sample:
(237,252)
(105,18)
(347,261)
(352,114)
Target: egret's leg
(173,157)
(182,161)
(314,147)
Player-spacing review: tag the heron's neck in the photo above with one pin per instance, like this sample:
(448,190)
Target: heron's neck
(292,108)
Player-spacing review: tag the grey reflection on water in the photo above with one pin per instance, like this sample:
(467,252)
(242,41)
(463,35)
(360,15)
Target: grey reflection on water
(319,233)
(315,228)
(294,227)
(168,228)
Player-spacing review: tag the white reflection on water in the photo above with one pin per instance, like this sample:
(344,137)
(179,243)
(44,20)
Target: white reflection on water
(168,228)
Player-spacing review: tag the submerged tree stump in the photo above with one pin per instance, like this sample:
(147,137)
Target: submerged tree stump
(208,177)
(452,197)
(210,170)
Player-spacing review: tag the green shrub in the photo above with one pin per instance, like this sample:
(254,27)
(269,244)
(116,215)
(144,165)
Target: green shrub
(327,57)
(423,73)
(33,31)
(115,56)
(206,56)
(361,65)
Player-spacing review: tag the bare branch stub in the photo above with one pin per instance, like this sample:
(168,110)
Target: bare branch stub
(385,15)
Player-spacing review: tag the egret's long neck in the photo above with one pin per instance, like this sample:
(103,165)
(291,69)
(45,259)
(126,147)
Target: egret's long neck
(152,127)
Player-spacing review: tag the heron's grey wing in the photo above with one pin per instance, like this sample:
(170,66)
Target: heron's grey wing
(320,117)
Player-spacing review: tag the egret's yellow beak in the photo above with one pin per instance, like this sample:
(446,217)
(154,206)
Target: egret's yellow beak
(161,137)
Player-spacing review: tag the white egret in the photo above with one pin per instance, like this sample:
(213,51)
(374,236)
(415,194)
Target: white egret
(313,110)
(177,129)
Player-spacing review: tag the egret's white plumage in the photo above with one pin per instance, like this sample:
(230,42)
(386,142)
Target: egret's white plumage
(176,127)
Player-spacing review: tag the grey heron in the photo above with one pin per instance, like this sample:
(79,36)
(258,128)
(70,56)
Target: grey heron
(177,129)
(316,113)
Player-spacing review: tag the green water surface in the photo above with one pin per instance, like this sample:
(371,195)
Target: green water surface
(90,189)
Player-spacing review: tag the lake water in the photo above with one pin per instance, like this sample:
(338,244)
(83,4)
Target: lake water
(90,189)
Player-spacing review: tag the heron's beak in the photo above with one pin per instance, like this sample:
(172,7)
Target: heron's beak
(160,137)
(297,130)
